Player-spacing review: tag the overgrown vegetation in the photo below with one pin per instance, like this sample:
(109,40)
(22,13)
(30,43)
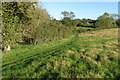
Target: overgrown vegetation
(88,55)
(27,23)
(37,46)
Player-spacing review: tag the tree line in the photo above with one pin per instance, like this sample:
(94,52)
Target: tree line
(29,23)
(104,21)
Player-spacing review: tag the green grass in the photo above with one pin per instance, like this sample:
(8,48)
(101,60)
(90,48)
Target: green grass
(84,28)
(92,54)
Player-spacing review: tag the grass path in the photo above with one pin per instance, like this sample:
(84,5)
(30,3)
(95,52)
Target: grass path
(87,55)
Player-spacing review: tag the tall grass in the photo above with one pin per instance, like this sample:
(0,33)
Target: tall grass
(93,54)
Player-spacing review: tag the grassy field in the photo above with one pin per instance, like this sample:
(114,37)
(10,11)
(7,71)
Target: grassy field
(93,54)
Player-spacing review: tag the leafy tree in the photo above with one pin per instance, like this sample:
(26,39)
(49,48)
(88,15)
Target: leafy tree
(72,15)
(76,22)
(104,16)
(14,15)
(35,27)
(67,14)
(25,22)
(85,23)
(67,21)
(68,18)
(105,21)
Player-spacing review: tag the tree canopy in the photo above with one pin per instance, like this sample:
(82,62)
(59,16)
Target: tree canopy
(28,23)
(67,14)
(105,21)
